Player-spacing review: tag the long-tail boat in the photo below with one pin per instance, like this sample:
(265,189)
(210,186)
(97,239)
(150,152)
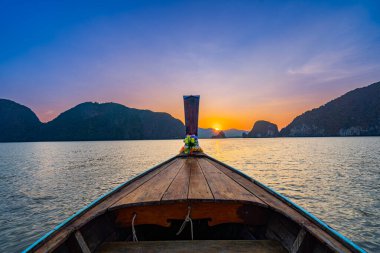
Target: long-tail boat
(193,202)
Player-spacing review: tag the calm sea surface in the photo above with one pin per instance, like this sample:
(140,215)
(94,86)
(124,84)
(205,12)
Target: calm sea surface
(337,179)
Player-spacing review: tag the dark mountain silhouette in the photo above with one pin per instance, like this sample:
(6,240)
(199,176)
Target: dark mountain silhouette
(229,133)
(234,133)
(263,129)
(206,132)
(220,135)
(17,122)
(355,113)
(89,121)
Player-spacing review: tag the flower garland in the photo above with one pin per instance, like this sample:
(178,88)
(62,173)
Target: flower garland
(191,145)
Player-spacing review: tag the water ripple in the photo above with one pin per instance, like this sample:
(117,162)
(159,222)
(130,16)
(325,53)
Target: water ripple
(337,179)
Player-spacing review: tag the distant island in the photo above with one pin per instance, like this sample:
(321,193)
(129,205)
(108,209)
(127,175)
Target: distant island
(356,113)
(86,122)
(262,129)
(220,135)
(206,133)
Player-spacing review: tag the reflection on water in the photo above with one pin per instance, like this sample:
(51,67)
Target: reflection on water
(337,179)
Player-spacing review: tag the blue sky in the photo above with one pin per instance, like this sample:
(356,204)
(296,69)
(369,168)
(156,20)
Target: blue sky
(248,60)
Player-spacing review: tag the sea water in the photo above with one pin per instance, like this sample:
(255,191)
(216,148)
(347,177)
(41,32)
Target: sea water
(336,179)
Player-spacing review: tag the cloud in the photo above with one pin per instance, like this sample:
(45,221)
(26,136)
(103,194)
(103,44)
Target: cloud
(333,65)
(325,62)
(239,59)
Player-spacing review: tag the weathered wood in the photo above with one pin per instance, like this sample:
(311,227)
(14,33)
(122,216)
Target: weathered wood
(191,104)
(223,187)
(259,246)
(214,191)
(282,229)
(179,188)
(216,213)
(59,237)
(281,207)
(198,186)
(152,190)
(81,242)
(97,231)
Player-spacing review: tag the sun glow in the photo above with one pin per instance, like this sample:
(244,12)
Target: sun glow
(217,127)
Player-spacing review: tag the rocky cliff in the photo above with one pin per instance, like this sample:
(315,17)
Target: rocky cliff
(263,129)
(356,113)
(220,135)
(17,122)
(87,121)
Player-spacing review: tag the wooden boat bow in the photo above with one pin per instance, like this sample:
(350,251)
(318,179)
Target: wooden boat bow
(227,210)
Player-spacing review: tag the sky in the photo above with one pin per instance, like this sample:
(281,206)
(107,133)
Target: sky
(248,60)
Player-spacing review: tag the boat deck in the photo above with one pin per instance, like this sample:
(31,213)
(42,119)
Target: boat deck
(226,246)
(227,212)
(195,179)
(186,179)
(165,192)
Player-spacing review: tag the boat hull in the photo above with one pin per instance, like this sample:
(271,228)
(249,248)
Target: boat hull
(220,202)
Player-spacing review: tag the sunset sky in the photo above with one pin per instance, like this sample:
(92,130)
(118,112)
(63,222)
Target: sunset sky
(248,60)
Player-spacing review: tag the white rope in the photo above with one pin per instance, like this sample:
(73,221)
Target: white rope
(298,241)
(133,228)
(187,219)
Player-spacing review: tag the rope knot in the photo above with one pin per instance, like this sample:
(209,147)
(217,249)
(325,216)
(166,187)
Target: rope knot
(134,236)
(187,219)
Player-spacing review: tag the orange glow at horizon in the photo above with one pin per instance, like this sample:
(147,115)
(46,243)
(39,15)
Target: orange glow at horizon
(241,121)
(147,56)
(214,113)
(280,113)
(221,119)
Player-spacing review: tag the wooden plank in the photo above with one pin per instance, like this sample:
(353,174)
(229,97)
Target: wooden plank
(257,246)
(59,237)
(281,207)
(162,214)
(152,190)
(198,186)
(179,188)
(282,229)
(81,242)
(261,193)
(191,114)
(97,231)
(223,187)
